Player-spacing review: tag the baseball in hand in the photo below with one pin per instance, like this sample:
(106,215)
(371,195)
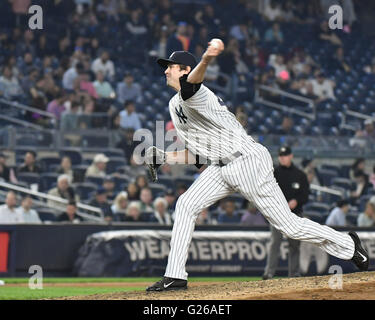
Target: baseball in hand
(217,43)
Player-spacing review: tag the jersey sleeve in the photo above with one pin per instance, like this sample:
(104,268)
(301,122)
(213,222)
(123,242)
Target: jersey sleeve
(193,93)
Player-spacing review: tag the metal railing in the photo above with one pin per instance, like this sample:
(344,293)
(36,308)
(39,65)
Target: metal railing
(82,206)
(326,190)
(310,114)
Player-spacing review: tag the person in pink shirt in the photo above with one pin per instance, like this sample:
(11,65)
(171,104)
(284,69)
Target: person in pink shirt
(83,83)
(56,106)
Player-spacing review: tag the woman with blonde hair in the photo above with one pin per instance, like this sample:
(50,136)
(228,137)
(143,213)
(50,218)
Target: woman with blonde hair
(120,206)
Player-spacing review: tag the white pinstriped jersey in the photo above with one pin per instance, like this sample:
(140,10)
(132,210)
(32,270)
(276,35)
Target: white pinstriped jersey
(206,126)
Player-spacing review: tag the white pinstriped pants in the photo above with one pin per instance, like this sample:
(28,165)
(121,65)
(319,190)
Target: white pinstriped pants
(251,175)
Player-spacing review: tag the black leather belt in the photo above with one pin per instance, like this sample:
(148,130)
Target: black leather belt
(225,161)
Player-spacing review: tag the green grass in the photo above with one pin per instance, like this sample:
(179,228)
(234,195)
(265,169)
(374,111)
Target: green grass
(127,280)
(24,293)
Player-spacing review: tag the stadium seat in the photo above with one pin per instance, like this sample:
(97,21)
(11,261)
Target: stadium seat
(325,176)
(343,183)
(315,216)
(47,181)
(74,155)
(98,181)
(114,163)
(29,178)
(48,162)
(157,189)
(85,189)
(322,208)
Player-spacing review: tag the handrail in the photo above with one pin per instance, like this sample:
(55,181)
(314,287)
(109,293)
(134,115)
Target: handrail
(21,122)
(285,93)
(358,115)
(49,197)
(27,108)
(326,190)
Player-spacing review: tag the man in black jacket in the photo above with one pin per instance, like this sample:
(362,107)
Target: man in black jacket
(295,187)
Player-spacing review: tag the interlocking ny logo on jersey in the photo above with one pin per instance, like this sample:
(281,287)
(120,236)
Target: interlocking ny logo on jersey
(180,114)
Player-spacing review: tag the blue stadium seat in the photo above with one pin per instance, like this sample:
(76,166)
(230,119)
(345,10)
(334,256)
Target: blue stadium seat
(29,178)
(48,181)
(74,155)
(114,163)
(325,176)
(85,190)
(343,183)
(48,162)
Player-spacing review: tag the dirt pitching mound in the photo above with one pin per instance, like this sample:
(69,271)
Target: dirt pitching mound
(355,286)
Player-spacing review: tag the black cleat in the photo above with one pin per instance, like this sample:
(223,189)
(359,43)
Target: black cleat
(167,284)
(360,257)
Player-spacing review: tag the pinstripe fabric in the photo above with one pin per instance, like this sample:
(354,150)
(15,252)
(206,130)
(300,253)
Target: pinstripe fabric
(250,174)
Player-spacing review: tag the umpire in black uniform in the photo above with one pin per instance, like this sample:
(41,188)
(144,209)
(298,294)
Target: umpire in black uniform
(295,186)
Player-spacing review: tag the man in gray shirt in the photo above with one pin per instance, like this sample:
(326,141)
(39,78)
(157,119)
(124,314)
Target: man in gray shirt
(28,215)
(337,217)
(128,90)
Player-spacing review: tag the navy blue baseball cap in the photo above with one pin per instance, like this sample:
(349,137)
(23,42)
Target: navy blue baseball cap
(178,57)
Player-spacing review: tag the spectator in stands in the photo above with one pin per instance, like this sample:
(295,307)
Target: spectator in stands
(327,35)
(337,216)
(274,34)
(272,11)
(28,214)
(109,8)
(9,86)
(146,200)
(70,118)
(180,189)
(26,44)
(277,61)
(7,174)
(134,213)
(62,190)
(135,25)
(102,87)
(358,165)
(170,197)
(286,127)
(8,212)
(369,130)
(83,86)
(129,117)
(141,181)
(71,74)
(66,168)
(98,166)
(57,105)
(252,216)
(70,214)
(323,88)
(212,72)
(127,144)
(161,214)
(100,201)
(29,165)
(372,177)
(230,214)
(367,218)
(120,206)
(133,191)
(204,218)
(179,40)
(362,185)
(338,61)
(128,90)
(109,186)
(310,170)
(104,64)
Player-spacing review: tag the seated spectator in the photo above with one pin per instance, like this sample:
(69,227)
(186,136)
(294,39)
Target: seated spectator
(277,61)
(274,34)
(204,218)
(8,212)
(362,184)
(286,127)
(120,206)
(127,144)
(29,165)
(170,197)
(84,87)
(63,190)
(70,118)
(70,214)
(133,191)
(104,64)
(103,88)
(109,187)
(359,165)
(252,216)
(161,214)
(338,61)
(372,177)
(230,214)
(135,25)
(128,90)
(66,168)
(57,105)
(367,218)
(310,170)
(272,11)
(146,200)
(323,88)
(141,182)
(109,8)
(100,201)
(98,166)
(28,214)
(9,85)
(6,174)
(337,216)
(212,72)
(368,131)
(327,35)
(179,40)
(71,74)
(129,118)
(134,213)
